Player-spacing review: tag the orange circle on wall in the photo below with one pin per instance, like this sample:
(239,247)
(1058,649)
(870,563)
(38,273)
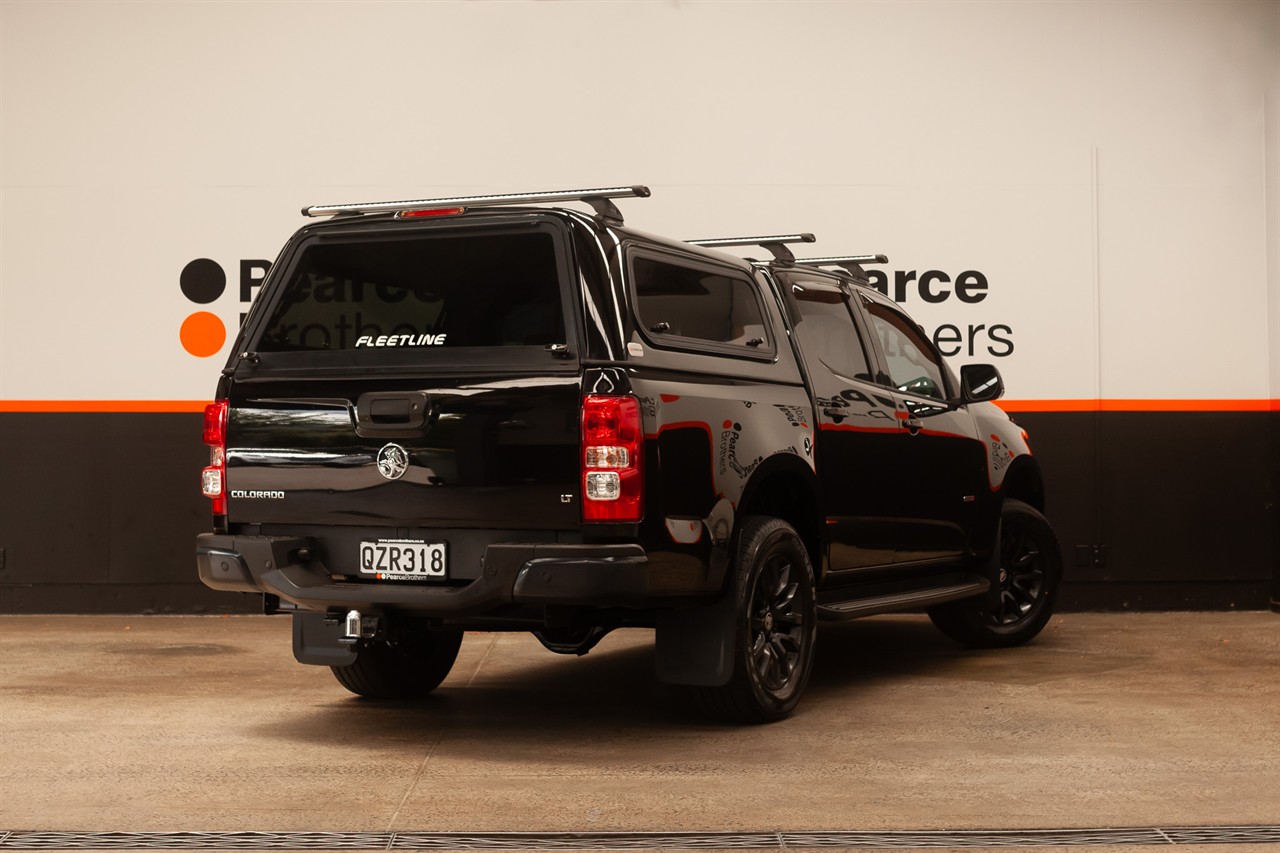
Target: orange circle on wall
(203,334)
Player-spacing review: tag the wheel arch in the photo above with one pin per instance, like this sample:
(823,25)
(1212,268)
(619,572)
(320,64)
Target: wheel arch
(1025,482)
(785,487)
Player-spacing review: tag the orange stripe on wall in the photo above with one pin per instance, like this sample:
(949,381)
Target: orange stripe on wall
(1139,405)
(103,405)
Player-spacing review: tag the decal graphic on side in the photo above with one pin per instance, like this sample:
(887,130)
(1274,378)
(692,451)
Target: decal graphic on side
(729,437)
(1001,455)
(794,414)
(684,531)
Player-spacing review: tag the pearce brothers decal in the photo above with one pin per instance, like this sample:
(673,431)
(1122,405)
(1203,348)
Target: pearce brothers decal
(203,281)
(203,334)
(935,287)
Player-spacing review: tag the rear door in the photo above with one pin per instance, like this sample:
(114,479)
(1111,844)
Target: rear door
(407,378)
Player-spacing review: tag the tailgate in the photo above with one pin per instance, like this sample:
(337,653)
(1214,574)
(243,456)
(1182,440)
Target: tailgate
(498,453)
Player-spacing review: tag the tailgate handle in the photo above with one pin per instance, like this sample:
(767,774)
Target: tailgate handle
(392,411)
(397,410)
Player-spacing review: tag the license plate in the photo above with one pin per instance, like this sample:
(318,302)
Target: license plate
(403,559)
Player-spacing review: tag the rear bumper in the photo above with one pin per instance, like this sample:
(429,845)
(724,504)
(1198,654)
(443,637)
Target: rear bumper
(513,573)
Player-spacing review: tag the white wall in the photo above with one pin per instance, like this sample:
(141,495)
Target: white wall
(1112,168)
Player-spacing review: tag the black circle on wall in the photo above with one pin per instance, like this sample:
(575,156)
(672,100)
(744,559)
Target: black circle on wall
(203,281)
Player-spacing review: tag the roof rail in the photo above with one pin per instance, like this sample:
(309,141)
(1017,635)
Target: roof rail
(597,198)
(852,264)
(777,244)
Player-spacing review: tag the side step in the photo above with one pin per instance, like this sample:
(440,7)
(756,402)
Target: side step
(915,599)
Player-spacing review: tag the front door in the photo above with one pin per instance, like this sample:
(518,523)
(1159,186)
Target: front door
(860,441)
(944,463)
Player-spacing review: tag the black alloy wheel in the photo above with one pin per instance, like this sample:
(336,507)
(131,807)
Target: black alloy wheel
(1030,575)
(775,626)
(1022,576)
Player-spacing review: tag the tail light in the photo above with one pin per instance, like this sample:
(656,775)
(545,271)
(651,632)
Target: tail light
(213,479)
(612,450)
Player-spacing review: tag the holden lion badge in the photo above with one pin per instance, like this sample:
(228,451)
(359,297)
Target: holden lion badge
(393,461)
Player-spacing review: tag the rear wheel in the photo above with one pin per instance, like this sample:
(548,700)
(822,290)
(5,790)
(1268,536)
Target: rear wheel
(407,667)
(1030,574)
(775,626)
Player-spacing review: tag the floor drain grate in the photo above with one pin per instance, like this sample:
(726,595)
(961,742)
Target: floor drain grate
(538,841)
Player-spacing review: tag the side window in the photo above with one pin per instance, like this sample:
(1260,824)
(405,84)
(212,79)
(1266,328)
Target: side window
(914,365)
(827,333)
(698,303)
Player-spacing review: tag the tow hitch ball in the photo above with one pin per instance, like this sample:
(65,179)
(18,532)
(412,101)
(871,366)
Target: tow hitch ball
(357,628)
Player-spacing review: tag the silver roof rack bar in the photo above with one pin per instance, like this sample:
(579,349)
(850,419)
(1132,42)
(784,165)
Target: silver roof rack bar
(597,198)
(852,264)
(777,244)
(844,259)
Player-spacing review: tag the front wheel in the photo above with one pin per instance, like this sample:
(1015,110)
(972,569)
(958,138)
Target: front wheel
(1030,575)
(409,666)
(775,626)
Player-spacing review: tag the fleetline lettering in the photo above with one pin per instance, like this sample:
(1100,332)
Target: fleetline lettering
(425,340)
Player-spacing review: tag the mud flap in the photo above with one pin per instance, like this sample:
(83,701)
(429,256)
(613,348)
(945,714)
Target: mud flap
(695,645)
(317,641)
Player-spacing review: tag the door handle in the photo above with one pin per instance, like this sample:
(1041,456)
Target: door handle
(913,425)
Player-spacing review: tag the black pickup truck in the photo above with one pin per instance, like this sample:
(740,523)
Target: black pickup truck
(497,413)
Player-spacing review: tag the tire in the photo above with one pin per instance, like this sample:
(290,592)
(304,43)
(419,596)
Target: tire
(1030,575)
(775,626)
(409,667)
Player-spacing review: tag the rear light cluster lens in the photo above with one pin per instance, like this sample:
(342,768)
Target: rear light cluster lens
(612,447)
(608,457)
(214,478)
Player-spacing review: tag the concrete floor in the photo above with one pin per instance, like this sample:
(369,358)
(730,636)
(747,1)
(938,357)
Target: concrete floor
(206,723)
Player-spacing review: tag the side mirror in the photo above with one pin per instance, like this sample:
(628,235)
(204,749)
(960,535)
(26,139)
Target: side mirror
(980,383)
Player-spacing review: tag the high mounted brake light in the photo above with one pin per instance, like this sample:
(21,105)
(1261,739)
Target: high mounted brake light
(430,211)
(213,479)
(612,450)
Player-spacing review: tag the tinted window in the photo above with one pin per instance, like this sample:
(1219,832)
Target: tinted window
(914,365)
(827,333)
(699,303)
(420,292)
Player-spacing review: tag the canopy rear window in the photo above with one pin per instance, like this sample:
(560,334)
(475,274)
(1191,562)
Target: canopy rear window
(421,291)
